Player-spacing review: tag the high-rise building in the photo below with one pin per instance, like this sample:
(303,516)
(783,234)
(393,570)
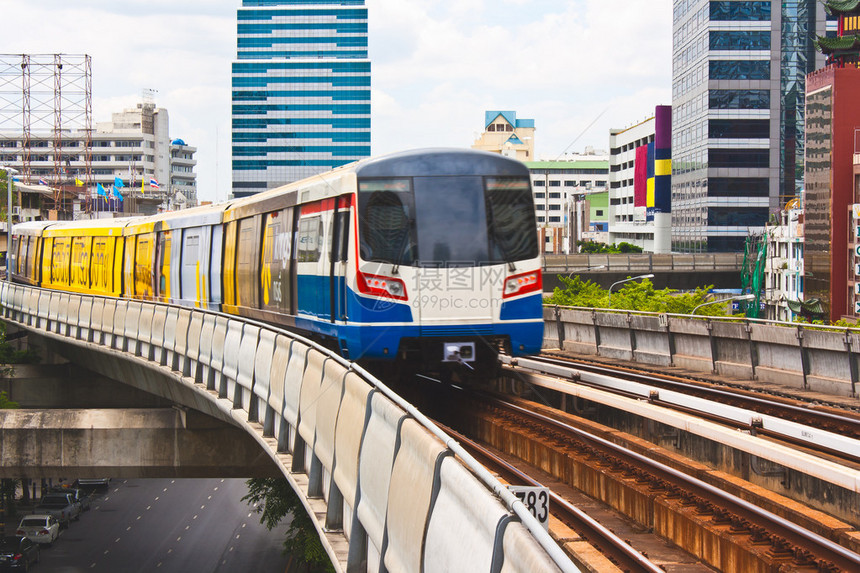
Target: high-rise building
(831,199)
(301,90)
(738,83)
(640,175)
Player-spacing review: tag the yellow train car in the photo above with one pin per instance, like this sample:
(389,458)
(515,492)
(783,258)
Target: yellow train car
(83,256)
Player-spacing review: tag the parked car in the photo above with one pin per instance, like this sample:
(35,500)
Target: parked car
(17,553)
(61,505)
(77,494)
(40,528)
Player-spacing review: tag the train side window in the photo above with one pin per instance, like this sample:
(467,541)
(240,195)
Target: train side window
(310,239)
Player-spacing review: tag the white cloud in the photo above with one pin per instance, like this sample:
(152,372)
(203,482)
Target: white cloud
(436,66)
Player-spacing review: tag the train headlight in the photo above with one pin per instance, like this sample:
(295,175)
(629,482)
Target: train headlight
(378,285)
(522,284)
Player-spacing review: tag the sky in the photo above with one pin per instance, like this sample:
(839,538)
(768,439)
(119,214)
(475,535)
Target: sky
(576,67)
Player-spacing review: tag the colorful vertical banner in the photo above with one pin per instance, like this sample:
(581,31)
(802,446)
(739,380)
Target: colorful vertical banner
(640,176)
(662,200)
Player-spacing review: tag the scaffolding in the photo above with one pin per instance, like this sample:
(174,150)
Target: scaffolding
(46,104)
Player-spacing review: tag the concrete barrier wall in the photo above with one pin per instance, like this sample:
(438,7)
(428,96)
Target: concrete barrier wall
(819,358)
(391,487)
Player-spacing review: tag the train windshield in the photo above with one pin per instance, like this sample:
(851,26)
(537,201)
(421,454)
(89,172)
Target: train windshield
(447,221)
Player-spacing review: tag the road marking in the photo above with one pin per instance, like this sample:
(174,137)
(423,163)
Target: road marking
(179,538)
(195,517)
(117,540)
(202,506)
(148,507)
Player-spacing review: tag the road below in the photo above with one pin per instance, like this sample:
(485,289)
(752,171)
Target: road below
(171,526)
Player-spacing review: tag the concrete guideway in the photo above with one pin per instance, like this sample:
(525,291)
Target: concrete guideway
(141,442)
(380,479)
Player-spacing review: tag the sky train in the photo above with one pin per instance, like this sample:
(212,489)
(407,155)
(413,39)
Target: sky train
(421,255)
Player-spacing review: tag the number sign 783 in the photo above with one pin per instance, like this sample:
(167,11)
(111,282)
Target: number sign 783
(536,500)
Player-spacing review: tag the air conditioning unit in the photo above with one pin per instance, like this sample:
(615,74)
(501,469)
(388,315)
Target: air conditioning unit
(16,210)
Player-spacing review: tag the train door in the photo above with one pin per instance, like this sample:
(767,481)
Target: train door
(162,265)
(248,263)
(276,277)
(214,247)
(129,252)
(312,267)
(144,266)
(339,243)
(191,266)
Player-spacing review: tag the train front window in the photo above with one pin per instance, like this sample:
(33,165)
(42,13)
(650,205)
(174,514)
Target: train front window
(386,210)
(511,216)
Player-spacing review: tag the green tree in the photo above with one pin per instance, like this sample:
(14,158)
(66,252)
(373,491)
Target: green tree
(635,295)
(274,499)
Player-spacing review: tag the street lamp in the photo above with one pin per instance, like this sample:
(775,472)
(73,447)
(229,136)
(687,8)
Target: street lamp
(739,297)
(597,268)
(609,302)
(10,171)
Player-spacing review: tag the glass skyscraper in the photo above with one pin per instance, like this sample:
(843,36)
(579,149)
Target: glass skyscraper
(301,91)
(738,82)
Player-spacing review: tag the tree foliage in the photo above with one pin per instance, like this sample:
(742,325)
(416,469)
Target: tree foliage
(595,247)
(274,500)
(634,295)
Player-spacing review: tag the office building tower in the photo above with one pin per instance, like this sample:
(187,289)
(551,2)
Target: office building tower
(738,83)
(301,91)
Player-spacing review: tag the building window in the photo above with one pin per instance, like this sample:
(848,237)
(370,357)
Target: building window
(739,158)
(739,99)
(555,183)
(555,219)
(740,40)
(739,70)
(598,213)
(739,128)
(740,11)
(539,183)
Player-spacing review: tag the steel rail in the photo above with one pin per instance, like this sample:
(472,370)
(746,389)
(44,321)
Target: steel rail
(822,440)
(839,555)
(601,536)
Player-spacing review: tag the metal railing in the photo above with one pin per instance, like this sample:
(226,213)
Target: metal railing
(338,434)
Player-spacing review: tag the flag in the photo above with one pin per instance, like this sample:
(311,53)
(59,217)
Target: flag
(117,183)
(78,182)
(117,194)
(42,181)
(101,190)
(154,184)
(141,186)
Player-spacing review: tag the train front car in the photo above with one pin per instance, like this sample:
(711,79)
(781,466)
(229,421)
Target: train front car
(448,261)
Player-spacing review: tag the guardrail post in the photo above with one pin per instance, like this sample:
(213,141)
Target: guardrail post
(753,349)
(663,320)
(852,364)
(712,345)
(596,332)
(804,359)
(632,336)
(559,328)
